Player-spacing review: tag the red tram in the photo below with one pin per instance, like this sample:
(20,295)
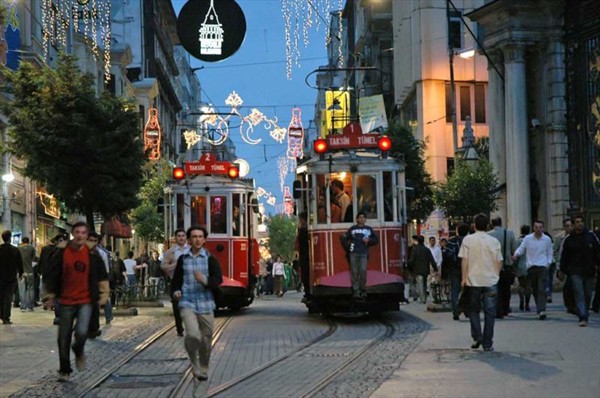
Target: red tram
(206,194)
(375,185)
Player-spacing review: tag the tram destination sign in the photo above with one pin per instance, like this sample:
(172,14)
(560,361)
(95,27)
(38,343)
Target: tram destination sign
(351,141)
(207,164)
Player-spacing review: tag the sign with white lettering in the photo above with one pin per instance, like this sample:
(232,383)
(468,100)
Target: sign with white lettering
(352,141)
(208,164)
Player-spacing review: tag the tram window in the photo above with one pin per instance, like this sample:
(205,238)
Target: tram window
(198,210)
(218,214)
(341,197)
(321,199)
(388,196)
(236,221)
(180,211)
(366,195)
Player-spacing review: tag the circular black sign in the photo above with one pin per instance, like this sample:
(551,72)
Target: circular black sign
(211,30)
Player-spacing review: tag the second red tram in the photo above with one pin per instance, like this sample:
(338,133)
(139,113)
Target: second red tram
(227,208)
(375,186)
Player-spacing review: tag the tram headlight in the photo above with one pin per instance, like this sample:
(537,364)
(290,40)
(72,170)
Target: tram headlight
(233,172)
(178,173)
(320,147)
(385,144)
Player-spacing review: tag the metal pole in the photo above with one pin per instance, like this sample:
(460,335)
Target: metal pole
(452,85)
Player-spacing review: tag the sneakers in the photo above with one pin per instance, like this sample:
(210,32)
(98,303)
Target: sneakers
(63,377)
(80,362)
(6,322)
(582,323)
(488,349)
(542,315)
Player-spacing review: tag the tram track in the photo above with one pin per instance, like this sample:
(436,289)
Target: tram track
(323,353)
(155,342)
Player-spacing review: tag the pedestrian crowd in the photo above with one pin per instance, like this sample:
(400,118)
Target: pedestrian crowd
(479,267)
(475,270)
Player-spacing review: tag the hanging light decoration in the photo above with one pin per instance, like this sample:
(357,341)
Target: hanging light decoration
(218,124)
(90,18)
(300,16)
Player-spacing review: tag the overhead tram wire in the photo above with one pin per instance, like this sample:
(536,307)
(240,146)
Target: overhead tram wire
(260,63)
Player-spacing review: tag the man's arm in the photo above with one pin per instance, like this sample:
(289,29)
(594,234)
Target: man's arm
(464,265)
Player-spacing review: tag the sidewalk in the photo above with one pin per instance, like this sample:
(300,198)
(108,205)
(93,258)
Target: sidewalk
(532,358)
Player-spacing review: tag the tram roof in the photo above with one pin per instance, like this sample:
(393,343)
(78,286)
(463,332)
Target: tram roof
(358,161)
(216,184)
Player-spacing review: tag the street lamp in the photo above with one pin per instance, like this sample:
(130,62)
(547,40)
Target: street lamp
(468,152)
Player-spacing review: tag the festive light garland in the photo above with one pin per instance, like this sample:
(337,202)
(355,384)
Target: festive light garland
(261,192)
(313,10)
(61,17)
(285,166)
(220,124)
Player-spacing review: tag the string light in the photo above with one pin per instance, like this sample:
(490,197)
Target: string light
(261,192)
(220,124)
(295,25)
(90,19)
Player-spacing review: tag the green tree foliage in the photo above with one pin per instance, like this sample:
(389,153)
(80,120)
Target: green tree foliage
(282,235)
(405,146)
(468,191)
(86,150)
(149,224)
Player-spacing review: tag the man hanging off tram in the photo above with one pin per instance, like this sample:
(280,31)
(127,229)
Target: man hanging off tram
(357,240)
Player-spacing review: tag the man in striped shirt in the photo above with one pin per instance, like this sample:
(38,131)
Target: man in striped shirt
(196,276)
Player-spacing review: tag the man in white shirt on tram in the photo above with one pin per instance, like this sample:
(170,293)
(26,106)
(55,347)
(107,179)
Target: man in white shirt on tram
(168,265)
(537,248)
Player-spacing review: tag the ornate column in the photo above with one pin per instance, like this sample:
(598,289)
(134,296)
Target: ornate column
(557,141)
(497,127)
(518,193)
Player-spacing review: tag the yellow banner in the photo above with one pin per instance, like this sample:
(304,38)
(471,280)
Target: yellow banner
(337,111)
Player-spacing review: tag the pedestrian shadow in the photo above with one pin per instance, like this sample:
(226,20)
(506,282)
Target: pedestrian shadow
(525,365)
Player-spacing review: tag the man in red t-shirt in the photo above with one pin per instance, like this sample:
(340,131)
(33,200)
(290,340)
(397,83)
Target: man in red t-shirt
(77,277)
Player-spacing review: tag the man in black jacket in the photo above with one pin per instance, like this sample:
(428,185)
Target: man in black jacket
(580,260)
(11,264)
(196,279)
(420,262)
(77,277)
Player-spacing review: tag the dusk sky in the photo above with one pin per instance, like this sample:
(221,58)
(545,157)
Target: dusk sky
(257,72)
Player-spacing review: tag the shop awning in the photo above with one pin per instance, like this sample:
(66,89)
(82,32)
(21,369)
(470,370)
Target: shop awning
(116,229)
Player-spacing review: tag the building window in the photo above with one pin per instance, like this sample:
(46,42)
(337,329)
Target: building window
(454,30)
(480,103)
(465,102)
(449,166)
(470,100)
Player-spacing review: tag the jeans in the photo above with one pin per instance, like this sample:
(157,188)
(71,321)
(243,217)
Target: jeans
(153,286)
(198,338)
(108,311)
(421,286)
(26,292)
(68,313)
(538,278)
(132,284)
(455,287)
(486,295)
(583,288)
(358,265)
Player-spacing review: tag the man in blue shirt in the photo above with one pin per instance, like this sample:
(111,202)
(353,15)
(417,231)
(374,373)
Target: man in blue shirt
(196,276)
(358,238)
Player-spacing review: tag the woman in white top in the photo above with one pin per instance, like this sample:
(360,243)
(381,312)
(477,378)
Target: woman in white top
(279,276)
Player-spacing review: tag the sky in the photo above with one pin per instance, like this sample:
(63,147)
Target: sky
(257,72)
